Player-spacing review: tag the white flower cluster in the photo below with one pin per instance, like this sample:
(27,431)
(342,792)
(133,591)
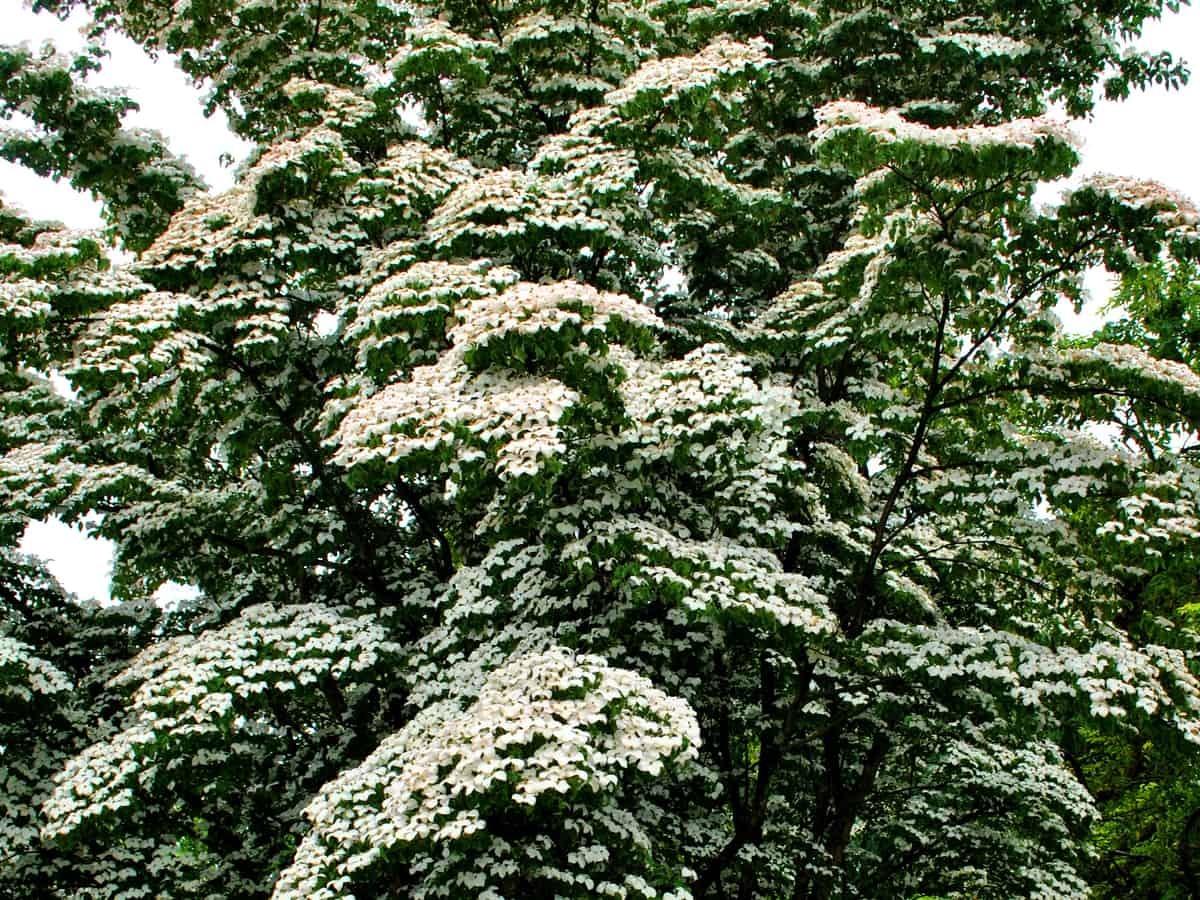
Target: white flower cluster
(1117,364)
(36,465)
(977,43)
(505,205)
(800,297)
(533,30)
(52,241)
(843,300)
(706,576)
(192,687)
(54,263)
(972,772)
(1057,466)
(705,406)
(100,781)
(343,108)
(577,183)
(513,581)
(1035,771)
(444,406)
(407,306)
(261,314)
(1113,680)
(585,178)
(24,773)
(888,126)
(726,10)
(550,723)
(410,180)
(135,337)
(496,205)
(858,248)
(1165,508)
(213,227)
(672,77)
(266,646)
(208,228)
(58,267)
(1170,207)
(433,36)
(24,675)
(687,165)
(529,308)
(444,403)
(299,158)
(23,298)
(708,416)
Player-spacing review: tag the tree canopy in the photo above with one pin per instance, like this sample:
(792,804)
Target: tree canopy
(623,449)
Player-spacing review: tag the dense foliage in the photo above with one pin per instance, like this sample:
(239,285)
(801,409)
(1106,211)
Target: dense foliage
(624,449)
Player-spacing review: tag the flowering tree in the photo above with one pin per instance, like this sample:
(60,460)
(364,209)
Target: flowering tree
(624,450)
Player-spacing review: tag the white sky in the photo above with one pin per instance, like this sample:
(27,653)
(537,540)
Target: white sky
(1152,135)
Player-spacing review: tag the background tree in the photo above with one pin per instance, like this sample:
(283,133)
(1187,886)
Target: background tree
(624,449)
